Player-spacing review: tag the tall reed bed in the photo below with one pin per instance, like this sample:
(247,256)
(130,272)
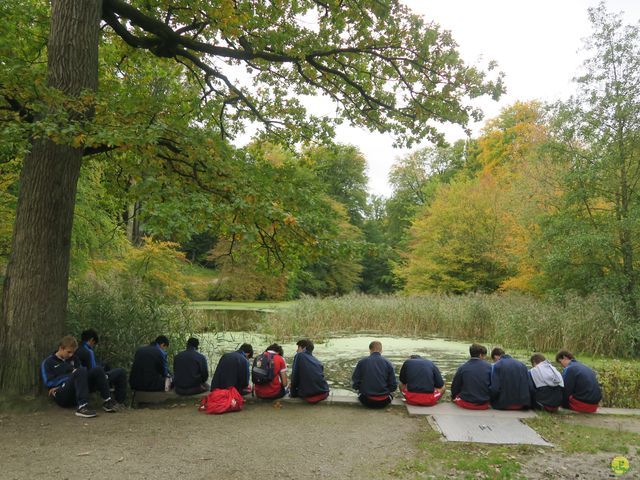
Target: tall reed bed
(595,325)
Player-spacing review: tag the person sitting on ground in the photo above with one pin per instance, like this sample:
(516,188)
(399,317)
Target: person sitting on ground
(150,369)
(470,385)
(69,383)
(117,377)
(546,384)
(421,382)
(374,378)
(307,374)
(190,370)
(581,389)
(509,384)
(233,370)
(276,370)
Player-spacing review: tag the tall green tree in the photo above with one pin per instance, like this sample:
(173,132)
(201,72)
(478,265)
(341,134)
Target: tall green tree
(593,240)
(386,68)
(342,169)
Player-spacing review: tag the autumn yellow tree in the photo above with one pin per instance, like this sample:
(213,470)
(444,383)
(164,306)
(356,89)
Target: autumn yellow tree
(476,234)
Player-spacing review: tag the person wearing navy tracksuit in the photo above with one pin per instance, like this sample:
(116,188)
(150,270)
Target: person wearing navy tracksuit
(233,370)
(374,378)
(581,388)
(421,381)
(69,383)
(307,374)
(509,383)
(117,377)
(150,369)
(470,385)
(190,370)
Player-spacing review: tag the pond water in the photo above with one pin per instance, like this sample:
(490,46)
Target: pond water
(228,329)
(340,355)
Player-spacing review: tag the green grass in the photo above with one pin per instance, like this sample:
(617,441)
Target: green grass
(247,306)
(441,459)
(575,438)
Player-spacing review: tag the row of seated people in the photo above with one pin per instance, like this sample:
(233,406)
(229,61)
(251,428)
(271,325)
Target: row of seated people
(72,372)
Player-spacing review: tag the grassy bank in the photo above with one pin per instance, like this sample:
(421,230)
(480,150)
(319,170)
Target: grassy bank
(595,326)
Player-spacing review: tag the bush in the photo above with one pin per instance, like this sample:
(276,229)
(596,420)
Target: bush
(127,313)
(620,381)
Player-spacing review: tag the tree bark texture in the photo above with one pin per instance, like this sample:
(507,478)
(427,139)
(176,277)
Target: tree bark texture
(34,297)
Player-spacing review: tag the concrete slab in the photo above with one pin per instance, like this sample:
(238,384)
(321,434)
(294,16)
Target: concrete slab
(484,429)
(448,408)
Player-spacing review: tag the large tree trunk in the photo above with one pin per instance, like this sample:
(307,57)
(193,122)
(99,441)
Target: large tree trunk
(35,288)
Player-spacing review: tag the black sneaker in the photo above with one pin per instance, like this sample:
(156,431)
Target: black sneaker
(86,412)
(109,406)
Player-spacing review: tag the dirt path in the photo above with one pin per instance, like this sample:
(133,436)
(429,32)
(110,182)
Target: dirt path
(295,441)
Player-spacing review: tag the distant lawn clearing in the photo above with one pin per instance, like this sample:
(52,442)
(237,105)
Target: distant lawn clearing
(247,306)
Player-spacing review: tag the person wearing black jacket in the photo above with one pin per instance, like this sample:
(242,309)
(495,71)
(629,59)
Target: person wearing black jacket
(117,377)
(421,382)
(233,370)
(470,385)
(581,388)
(190,370)
(509,383)
(374,378)
(69,383)
(150,369)
(307,374)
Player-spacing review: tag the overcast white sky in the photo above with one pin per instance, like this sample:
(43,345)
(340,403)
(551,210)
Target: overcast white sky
(536,44)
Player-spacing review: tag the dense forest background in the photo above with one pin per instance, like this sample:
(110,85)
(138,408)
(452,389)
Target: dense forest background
(543,201)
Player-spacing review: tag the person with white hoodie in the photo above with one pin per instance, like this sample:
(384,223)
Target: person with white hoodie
(546,384)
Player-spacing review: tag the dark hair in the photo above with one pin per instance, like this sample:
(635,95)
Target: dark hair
(497,352)
(274,347)
(414,356)
(193,342)
(537,358)
(87,335)
(246,348)
(375,345)
(306,344)
(162,340)
(564,354)
(475,350)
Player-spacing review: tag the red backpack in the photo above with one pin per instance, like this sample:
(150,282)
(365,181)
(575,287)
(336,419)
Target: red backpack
(222,400)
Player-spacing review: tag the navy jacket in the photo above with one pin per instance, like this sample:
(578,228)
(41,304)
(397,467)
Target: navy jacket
(307,376)
(374,375)
(190,369)
(581,382)
(86,355)
(149,369)
(421,375)
(56,371)
(232,371)
(471,381)
(509,383)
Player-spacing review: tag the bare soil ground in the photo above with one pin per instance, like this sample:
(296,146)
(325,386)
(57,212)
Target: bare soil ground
(294,441)
(291,442)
